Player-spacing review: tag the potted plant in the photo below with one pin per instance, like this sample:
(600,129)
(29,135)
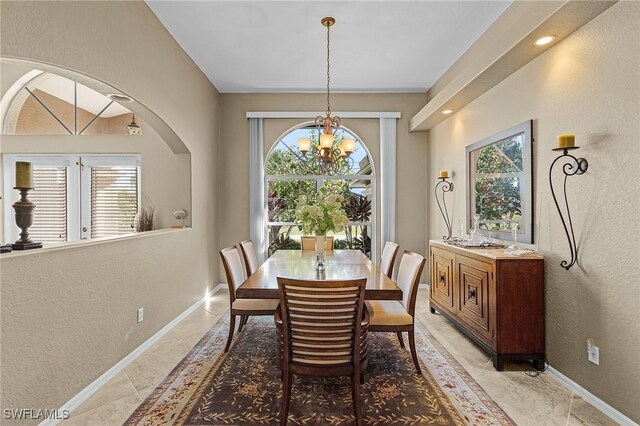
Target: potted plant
(320,215)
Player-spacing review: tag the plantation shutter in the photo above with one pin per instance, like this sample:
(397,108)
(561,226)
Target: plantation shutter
(114,200)
(50,197)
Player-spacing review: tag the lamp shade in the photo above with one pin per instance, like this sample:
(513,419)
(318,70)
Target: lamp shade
(304,144)
(348,145)
(326,140)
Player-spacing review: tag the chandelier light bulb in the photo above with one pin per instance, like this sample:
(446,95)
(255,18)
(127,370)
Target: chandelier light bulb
(349,145)
(326,140)
(304,145)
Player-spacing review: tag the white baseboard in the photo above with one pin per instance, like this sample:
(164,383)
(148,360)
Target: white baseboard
(86,393)
(615,415)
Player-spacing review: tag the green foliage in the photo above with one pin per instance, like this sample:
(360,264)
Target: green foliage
(322,212)
(498,196)
(282,242)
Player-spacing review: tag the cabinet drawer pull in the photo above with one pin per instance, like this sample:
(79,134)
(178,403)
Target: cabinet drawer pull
(471,294)
(442,278)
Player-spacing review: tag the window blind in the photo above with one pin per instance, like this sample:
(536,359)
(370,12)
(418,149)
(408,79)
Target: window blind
(114,200)
(50,197)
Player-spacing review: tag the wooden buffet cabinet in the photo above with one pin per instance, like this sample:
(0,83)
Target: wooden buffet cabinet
(496,299)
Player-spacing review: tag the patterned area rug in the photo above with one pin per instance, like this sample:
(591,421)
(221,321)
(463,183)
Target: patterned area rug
(243,387)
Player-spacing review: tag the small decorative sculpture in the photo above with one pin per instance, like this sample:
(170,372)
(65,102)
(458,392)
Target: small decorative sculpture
(23,207)
(179,215)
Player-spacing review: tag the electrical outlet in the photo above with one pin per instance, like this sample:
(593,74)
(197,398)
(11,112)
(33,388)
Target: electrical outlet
(140,315)
(593,352)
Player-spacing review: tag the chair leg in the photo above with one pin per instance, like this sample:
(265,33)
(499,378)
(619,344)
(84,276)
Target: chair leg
(414,354)
(232,326)
(357,402)
(246,320)
(286,397)
(400,339)
(241,323)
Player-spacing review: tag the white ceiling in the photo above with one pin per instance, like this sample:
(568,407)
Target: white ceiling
(280,46)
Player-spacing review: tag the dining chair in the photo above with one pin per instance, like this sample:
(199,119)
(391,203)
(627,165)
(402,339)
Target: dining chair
(309,243)
(250,257)
(322,335)
(399,316)
(241,307)
(389,254)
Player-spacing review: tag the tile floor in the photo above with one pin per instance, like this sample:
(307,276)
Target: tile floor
(528,400)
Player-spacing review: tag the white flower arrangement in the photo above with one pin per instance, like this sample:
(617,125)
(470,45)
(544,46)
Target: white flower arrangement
(322,216)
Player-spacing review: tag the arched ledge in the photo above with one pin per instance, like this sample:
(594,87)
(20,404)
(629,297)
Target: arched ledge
(95,241)
(150,117)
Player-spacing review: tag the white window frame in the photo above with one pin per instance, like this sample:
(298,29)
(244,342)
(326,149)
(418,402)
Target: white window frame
(78,187)
(88,161)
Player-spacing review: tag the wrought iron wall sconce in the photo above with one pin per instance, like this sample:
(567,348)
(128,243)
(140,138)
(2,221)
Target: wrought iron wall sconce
(444,186)
(573,166)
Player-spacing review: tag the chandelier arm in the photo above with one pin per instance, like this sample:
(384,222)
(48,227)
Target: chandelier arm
(328,75)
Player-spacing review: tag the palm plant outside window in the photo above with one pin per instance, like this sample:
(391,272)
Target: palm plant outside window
(290,175)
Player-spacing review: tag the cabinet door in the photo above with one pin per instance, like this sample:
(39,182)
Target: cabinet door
(474,286)
(442,278)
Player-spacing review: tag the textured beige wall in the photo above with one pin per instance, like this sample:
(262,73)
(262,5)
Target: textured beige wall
(234,149)
(588,84)
(107,282)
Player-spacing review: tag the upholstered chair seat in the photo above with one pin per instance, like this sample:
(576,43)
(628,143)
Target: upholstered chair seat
(255,304)
(387,312)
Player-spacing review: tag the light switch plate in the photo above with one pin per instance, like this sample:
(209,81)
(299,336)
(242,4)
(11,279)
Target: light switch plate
(140,315)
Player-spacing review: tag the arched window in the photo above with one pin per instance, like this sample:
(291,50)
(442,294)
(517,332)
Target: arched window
(43,103)
(290,174)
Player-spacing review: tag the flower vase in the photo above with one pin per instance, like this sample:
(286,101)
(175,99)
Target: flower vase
(321,247)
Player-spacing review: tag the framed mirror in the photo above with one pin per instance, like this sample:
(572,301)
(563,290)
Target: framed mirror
(500,183)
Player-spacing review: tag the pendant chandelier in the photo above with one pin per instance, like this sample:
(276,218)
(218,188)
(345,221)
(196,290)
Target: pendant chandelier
(134,128)
(326,155)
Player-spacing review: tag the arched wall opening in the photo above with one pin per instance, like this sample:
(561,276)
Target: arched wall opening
(46,124)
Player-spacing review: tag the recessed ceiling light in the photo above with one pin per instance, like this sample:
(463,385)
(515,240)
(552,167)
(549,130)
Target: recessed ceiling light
(118,97)
(544,40)
(447,111)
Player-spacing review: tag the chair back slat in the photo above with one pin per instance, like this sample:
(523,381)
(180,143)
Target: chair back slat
(321,320)
(308,243)
(233,268)
(409,272)
(250,257)
(389,254)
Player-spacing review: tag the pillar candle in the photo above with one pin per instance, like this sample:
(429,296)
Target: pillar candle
(566,140)
(24,174)
(444,173)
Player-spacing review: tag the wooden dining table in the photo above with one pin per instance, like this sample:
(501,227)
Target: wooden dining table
(339,265)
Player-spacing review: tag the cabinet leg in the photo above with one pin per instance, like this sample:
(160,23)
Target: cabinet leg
(538,364)
(498,363)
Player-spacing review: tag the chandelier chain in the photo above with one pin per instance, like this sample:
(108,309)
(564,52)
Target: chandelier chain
(328,75)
